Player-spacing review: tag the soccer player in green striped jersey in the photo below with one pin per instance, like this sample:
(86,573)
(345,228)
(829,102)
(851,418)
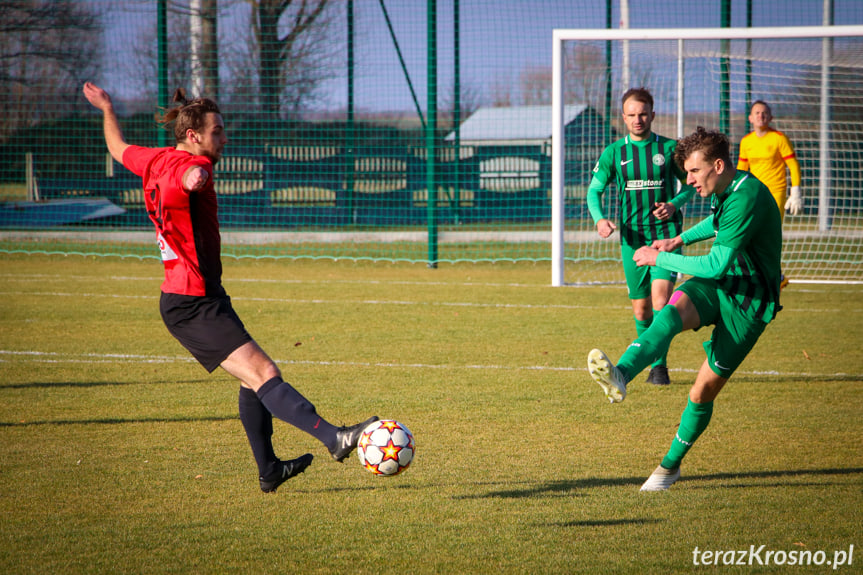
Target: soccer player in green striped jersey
(642,166)
(735,288)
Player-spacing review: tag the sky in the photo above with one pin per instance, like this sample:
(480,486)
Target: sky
(499,38)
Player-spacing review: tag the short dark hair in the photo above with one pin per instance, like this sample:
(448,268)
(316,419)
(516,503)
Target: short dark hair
(642,95)
(712,143)
(189,115)
(763,103)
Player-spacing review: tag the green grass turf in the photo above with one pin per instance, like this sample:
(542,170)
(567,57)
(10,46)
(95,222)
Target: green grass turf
(118,454)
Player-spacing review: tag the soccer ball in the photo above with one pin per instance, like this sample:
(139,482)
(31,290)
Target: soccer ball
(386,447)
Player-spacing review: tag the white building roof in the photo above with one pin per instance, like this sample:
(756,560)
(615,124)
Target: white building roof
(511,125)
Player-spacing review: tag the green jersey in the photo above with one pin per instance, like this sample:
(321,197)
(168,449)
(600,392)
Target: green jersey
(645,174)
(747,250)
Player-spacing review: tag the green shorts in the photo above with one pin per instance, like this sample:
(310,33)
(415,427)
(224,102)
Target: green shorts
(735,331)
(639,278)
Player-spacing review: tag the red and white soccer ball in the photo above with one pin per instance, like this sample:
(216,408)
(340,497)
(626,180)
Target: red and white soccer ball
(386,447)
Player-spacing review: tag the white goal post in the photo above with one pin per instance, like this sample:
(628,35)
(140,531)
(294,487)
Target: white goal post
(798,70)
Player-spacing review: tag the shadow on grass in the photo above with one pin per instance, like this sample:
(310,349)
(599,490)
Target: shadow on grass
(569,487)
(773,475)
(556,488)
(376,487)
(85,384)
(604,523)
(118,421)
(796,377)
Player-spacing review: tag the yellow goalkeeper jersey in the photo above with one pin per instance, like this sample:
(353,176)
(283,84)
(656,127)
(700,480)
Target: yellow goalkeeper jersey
(766,157)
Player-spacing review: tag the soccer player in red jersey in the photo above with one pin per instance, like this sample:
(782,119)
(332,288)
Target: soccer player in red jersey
(181,202)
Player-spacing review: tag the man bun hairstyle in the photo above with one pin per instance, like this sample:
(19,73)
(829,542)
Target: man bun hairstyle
(712,143)
(189,115)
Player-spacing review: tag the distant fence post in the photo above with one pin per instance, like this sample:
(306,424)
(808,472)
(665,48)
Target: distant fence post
(162,64)
(32,186)
(431,134)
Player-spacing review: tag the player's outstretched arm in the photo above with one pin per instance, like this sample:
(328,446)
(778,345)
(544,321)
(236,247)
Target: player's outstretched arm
(100,99)
(714,265)
(701,231)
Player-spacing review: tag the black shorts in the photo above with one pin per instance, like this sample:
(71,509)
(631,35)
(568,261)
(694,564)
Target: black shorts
(207,326)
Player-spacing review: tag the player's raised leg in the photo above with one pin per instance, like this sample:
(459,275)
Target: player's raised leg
(652,344)
(606,374)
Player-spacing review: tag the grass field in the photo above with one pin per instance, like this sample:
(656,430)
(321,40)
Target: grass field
(122,455)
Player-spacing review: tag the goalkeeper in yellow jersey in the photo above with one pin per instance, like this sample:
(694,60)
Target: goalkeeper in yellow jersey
(766,152)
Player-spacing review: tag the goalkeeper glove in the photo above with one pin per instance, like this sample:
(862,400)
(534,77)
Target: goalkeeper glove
(794,204)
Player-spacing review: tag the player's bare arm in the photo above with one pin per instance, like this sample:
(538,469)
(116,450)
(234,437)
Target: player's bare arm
(605,227)
(100,99)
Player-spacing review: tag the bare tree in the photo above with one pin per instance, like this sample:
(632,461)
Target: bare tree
(535,86)
(470,100)
(583,82)
(143,69)
(47,49)
(501,93)
(291,45)
(205,47)
(143,65)
(585,77)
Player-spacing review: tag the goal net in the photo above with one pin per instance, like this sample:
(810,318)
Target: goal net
(810,77)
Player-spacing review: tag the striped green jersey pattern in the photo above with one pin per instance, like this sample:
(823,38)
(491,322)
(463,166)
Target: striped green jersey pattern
(645,174)
(747,221)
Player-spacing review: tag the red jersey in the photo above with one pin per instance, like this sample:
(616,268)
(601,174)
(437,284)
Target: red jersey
(187,223)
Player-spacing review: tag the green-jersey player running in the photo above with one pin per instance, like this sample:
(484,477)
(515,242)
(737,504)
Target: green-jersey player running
(735,288)
(642,166)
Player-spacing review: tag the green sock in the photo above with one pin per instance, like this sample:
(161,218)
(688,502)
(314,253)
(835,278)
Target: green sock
(641,326)
(652,344)
(663,359)
(694,420)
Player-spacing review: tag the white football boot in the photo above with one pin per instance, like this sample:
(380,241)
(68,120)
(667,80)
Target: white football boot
(606,375)
(661,479)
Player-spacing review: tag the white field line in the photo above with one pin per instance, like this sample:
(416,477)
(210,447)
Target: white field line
(340,301)
(345,301)
(618,286)
(116,358)
(229,280)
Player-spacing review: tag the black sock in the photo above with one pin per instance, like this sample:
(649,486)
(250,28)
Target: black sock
(258,423)
(289,405)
